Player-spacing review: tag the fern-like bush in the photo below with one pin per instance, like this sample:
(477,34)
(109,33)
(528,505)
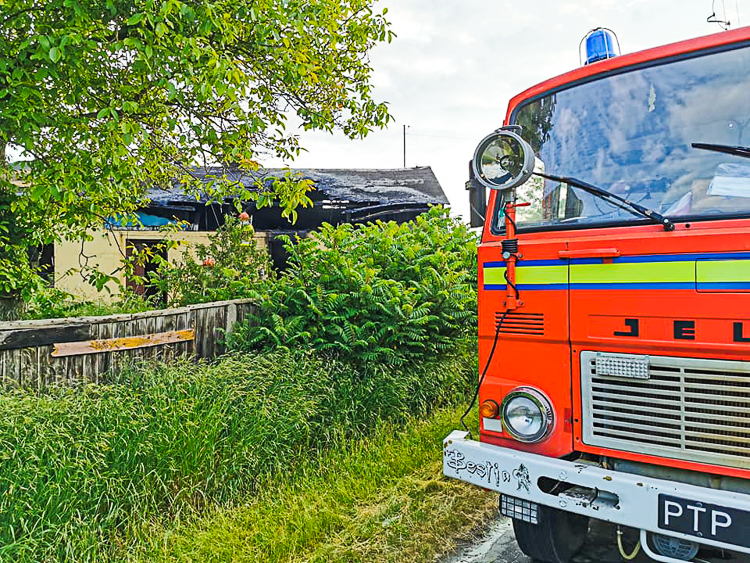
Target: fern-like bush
(380,291)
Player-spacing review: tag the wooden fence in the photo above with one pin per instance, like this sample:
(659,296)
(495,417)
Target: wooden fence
(72,351)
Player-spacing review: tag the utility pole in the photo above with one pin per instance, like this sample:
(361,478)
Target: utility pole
(405,126)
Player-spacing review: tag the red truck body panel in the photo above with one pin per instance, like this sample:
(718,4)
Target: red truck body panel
(576,317)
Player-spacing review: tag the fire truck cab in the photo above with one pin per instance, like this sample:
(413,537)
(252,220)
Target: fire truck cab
(614,304)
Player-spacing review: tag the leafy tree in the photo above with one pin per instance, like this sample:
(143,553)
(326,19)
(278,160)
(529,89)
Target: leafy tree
(104,98)
(536,121)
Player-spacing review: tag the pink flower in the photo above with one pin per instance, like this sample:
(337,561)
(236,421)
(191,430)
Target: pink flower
(209,263)
(244,216)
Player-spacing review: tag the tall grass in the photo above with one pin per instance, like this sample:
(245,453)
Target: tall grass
(381,499)
(84,472)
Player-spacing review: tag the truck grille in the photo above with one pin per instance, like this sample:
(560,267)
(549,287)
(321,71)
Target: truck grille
(688,409)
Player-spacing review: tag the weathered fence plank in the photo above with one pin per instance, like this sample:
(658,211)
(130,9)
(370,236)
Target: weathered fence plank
(21,338)
(43,353)
(126,343)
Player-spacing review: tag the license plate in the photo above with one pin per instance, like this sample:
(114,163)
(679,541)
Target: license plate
(704,520)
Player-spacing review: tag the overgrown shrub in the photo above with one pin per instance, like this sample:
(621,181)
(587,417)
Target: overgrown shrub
(381,291)
(18,277)
(84,472)
(230,266)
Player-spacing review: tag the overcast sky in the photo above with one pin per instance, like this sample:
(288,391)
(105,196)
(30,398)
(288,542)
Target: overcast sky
(455,65)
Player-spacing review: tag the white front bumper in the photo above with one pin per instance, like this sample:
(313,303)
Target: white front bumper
(635,504)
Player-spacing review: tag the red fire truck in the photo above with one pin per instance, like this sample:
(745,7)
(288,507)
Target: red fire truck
(614,303)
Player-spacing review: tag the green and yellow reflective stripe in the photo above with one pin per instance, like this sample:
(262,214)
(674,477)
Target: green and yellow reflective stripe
(723,271)
(527,275)
(649,272)
(538,275)
(494,275)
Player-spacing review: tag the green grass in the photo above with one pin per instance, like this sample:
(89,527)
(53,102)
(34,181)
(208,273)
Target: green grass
(381,499)
(51,303)
(84,473)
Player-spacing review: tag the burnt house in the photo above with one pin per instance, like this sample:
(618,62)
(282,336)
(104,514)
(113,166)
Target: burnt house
(340,196)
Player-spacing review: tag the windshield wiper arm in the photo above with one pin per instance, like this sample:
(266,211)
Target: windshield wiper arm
(728,149)
(645,211)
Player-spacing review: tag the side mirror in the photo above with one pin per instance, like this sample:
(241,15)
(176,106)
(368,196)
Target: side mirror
(503,160)
(477,200)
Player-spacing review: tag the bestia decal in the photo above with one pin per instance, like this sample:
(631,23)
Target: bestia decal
(522,477)
(486,470)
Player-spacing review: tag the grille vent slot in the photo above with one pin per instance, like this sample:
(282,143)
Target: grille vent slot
(689,409)
(520,323)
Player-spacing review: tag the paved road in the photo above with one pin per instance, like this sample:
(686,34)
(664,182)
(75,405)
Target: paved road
(499,546)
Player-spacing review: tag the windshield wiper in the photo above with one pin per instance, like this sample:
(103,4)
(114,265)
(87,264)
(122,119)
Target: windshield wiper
(645,211)
(728,149)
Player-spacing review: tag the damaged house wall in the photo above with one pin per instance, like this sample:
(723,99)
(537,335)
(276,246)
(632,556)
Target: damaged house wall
(340,196)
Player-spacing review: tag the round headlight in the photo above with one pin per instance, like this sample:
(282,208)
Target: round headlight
(527,415)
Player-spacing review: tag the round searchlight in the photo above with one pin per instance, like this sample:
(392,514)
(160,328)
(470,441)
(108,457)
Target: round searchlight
(527,415)
(503,160)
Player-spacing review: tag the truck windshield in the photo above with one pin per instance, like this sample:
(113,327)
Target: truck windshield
(631,134)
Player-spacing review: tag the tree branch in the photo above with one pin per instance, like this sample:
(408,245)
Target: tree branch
(19,13)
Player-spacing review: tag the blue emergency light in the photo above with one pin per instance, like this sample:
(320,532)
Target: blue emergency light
(601,43)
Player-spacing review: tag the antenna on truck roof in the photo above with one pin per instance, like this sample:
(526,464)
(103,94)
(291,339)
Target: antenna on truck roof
(723,24)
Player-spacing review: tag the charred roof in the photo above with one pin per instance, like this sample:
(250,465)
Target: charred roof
(340,196)
(362,186)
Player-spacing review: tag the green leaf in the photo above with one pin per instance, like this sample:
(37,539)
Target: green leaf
(186,81)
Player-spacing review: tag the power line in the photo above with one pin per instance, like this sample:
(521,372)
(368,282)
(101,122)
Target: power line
(444,137)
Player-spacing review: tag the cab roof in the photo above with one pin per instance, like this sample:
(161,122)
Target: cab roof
(622,62)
